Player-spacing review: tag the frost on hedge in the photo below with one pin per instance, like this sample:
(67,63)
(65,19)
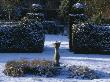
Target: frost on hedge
(88,37)
(34,67)
(27,36)
(82,72)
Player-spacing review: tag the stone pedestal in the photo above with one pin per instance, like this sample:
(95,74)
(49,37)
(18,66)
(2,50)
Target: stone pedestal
(56,53)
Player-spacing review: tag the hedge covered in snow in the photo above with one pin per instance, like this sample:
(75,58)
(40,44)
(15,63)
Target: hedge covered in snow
(91,38)
(35,67)
(23,37)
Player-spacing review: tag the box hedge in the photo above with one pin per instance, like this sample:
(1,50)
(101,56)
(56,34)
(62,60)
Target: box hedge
(91,38)
(25,36)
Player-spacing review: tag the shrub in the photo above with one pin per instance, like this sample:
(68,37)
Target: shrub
(36,16)
(91,38)
(44,67)
(34,35)
(27,36)
(106,20)
(35,67)
(16,68)
(82,72)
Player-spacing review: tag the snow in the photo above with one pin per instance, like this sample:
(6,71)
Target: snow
(78,5)
(37,6)
(97,62)
(35,14)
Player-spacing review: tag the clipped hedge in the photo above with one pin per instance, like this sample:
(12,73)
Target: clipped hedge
(27,36)
(91,38)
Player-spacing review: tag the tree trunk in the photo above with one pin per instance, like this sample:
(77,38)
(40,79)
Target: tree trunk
(9,15)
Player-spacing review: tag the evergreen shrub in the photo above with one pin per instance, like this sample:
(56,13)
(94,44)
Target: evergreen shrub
(82,72)
(34,67)
(90,38)
(27,36)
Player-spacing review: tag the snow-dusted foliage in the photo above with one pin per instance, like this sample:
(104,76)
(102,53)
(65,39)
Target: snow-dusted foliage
(44,68)
(88,37)
(16,68)
(26,36)
(36,12)
(79,17)
(82,72)
(37,16)
(34,67)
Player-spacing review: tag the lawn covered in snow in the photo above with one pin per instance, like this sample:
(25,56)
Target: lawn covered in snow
(99,63)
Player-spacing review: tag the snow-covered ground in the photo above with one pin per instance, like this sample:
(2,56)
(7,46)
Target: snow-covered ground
(100,63)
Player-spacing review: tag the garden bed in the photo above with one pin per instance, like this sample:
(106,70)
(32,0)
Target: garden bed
(46,68)
(35,67)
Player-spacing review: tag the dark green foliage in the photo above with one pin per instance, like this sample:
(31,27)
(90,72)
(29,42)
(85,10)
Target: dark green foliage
(105,20)
(16,68)
(44,68)
(64,8)
(36,13)
(34,67)
(82,72)
(9,6)
(51,27)
(26,36)
(36,16)
(90,38)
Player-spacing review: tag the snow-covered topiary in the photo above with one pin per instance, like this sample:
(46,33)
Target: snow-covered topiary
(36,12)
(36,6)
(78,5)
